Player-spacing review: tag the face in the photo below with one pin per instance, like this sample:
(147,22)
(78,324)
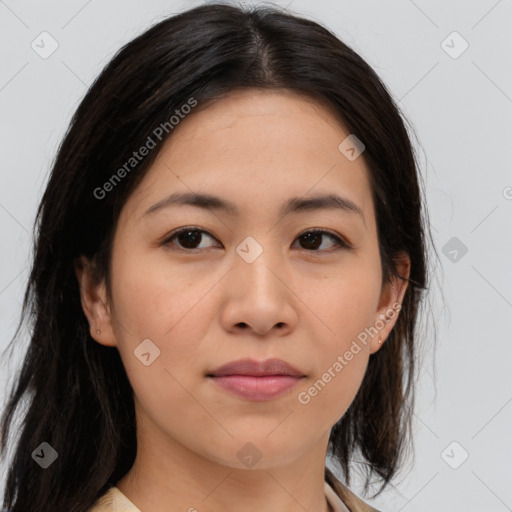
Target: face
(252,280)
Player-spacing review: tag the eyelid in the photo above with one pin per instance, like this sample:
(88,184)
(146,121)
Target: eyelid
(340,241)
(343,240)
(166,240)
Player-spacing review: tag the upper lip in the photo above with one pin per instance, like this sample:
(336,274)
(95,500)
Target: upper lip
(256,368)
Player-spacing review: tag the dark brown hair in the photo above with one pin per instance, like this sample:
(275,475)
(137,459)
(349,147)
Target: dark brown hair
(79,399)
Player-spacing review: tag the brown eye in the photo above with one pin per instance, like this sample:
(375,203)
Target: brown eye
(312,240)
(188,238)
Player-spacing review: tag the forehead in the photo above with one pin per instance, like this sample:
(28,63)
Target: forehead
(257,148)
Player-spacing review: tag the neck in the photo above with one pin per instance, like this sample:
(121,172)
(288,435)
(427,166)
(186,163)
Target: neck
(168,476)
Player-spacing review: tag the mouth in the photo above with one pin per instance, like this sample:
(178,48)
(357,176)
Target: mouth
(256,380)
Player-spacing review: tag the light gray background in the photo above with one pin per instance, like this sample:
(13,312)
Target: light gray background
(461,109)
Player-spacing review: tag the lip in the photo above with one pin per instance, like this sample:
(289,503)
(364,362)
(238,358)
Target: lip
(256,380)
(255,368)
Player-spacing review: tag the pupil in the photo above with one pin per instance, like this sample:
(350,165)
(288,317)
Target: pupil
(194,235)
(309,237)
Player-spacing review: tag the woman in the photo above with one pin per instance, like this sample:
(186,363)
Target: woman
(166,374)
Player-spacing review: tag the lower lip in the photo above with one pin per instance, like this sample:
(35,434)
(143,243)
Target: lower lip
(257,388)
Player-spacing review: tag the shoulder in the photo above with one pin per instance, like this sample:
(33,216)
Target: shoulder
(113,501)
(105,503)
(353,502)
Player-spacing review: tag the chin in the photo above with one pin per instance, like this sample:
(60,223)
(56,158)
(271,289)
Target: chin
(257,452)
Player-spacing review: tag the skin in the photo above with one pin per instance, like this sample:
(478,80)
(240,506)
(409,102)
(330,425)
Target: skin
(302,303)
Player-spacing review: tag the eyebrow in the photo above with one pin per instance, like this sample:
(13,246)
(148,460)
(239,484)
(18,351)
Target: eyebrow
(293,205)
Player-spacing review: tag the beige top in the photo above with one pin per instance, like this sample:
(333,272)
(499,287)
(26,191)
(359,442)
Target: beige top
(115,501)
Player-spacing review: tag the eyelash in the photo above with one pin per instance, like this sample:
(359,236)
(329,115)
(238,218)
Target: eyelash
(340,242)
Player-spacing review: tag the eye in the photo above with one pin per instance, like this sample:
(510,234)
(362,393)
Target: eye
(312,239)
(190,238)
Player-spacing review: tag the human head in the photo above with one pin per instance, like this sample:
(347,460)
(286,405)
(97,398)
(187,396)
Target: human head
(207,54)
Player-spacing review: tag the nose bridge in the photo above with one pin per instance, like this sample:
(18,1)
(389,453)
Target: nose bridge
(257,262)
(257,298)
(256,294)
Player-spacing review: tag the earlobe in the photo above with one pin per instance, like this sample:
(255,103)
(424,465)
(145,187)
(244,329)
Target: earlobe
(391,301)
(94,302)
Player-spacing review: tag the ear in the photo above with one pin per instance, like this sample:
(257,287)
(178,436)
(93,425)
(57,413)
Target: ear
(93,296)
(391,302)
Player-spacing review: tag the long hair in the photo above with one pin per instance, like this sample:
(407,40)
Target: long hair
(77,394)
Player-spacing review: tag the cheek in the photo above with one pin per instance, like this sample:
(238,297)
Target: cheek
(153,299)
(151,302)
(331,393)
(342,304)
(345,305)
(342,363)
(157,305)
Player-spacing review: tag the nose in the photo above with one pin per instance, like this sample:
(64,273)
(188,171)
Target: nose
(259,297)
